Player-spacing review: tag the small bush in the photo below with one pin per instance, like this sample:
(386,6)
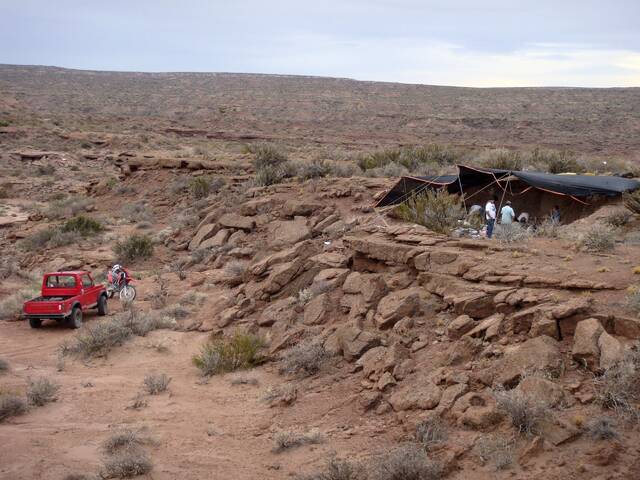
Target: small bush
(271,175)
(11,305)
(549,228)
(431,432)
(436,210)
(524,411)
(4,365)
(338,470)
(267,155)
(315,169)
(556,161)
(501,158)
(242,380)
(156,383)
(618,218)
(128,464)
(599,238)
(199,187)
(498,451)
(618,388)
(11,406)
(602,429)
(51,237)
(222,355)
(280,395)
(82,225)
(136,247)
(45,170)
(406,462)
(632,201)
(42,391)
(67,207)
(633,300)
(136,212)
(287,440)
(305,359)
(122,440)
(511,233)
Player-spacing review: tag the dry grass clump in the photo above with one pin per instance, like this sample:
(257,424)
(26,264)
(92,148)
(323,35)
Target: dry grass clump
(136,212)
(242,380)
(155,383)
(633,299)
(632,201)
(431,432)
(271,165)
(202,187)
(501,158)
(67,207)
(399,161)
(50,237)
(135,247)
(618,388)
(280,395)
(524,411)
(4,365)
(82,225)
(96,340)
(406,462)
(554,161)
(287,440)
(305,359)
(511,233)
(42,391)
(548,228)
(125,456)
(618,218)
(437,210)
(11,405)
(11,305)
(602,429)
(221,355)
(122,440)
(338,470)
(599,238)
(496,450)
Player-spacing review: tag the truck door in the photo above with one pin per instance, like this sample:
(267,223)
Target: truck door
(90,294)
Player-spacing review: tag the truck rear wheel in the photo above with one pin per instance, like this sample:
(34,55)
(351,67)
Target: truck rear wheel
(35,322)
(75,319)
(102,305)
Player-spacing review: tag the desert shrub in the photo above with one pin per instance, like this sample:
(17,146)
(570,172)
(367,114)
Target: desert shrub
(177,311)
(432,154)
(79,476)
(315,169)
(160,292)
(179,185)
(524,411)
(242,380)
(317,288)
(343,169)
(431,432)
(8,267)
(602,428)
(127,464)
(193,298)
(378,159)
(270,175)
(618,388)
(4,123)
(222,355)
(199,187)
(42,391)
(618,218)
(501,158)
(338,470)
(11,405)
(632,201)
(599,238)
(11,305)
(4,365)
(5,190)
(122,440)
(511,233)
(553,161)
(287,440)
(548,228)
(305,359)
(496,450)
(155,383)
(135,247)
(97,339)
(267,155)
(45,170)
(235,268)
(633,299)
(280,394)
(437,210)
(67,207)
(406,462)
(136,212)
(82,225)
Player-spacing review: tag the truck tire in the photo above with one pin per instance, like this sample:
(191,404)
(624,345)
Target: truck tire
(102,305)
(35,322)
(75,319)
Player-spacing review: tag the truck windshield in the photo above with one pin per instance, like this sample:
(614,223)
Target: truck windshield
(61,281)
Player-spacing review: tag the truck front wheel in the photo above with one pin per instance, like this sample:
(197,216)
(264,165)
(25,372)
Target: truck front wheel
(102,305)
(75,320)
(35,322)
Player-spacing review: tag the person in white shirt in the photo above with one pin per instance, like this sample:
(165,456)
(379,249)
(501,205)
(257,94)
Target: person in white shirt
(507,214)
(490,215)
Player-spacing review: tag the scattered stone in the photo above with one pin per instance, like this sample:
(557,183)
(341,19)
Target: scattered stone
(396,305)
(418,395)
(317,311)
(459,326)
(611,351)
(585,343)
(238,222)
(540,354)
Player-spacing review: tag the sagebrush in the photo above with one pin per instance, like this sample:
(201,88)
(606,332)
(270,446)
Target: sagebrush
(220,355)
(437,210)
(135,247)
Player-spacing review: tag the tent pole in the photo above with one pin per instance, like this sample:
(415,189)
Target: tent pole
(464,203)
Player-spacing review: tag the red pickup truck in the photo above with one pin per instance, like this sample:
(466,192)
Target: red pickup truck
(65,295)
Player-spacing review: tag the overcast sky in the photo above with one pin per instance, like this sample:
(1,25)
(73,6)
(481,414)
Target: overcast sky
(446,42)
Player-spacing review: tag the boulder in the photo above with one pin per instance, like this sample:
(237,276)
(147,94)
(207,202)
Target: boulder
(474,304)
(416,395)
(294,208)
(205,232)
(288,232)
(323,224)
(450,396)
(332,277)
(585,343)
(543,391)
(318,310)
(488,329)
(353,342)
(228,316)
(335,229)
(370,285)
(238,222)
(459,326)
(302,250)
(256,206)
(627,327)
(330,260)
(572,307)
(611,351)
(476,410)
(540,354)
(372,362)
(281,275)
(280,310)
(396,305)
(379,248)
(218,240)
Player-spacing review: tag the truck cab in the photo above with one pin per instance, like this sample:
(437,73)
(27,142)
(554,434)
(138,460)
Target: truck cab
(64,297)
